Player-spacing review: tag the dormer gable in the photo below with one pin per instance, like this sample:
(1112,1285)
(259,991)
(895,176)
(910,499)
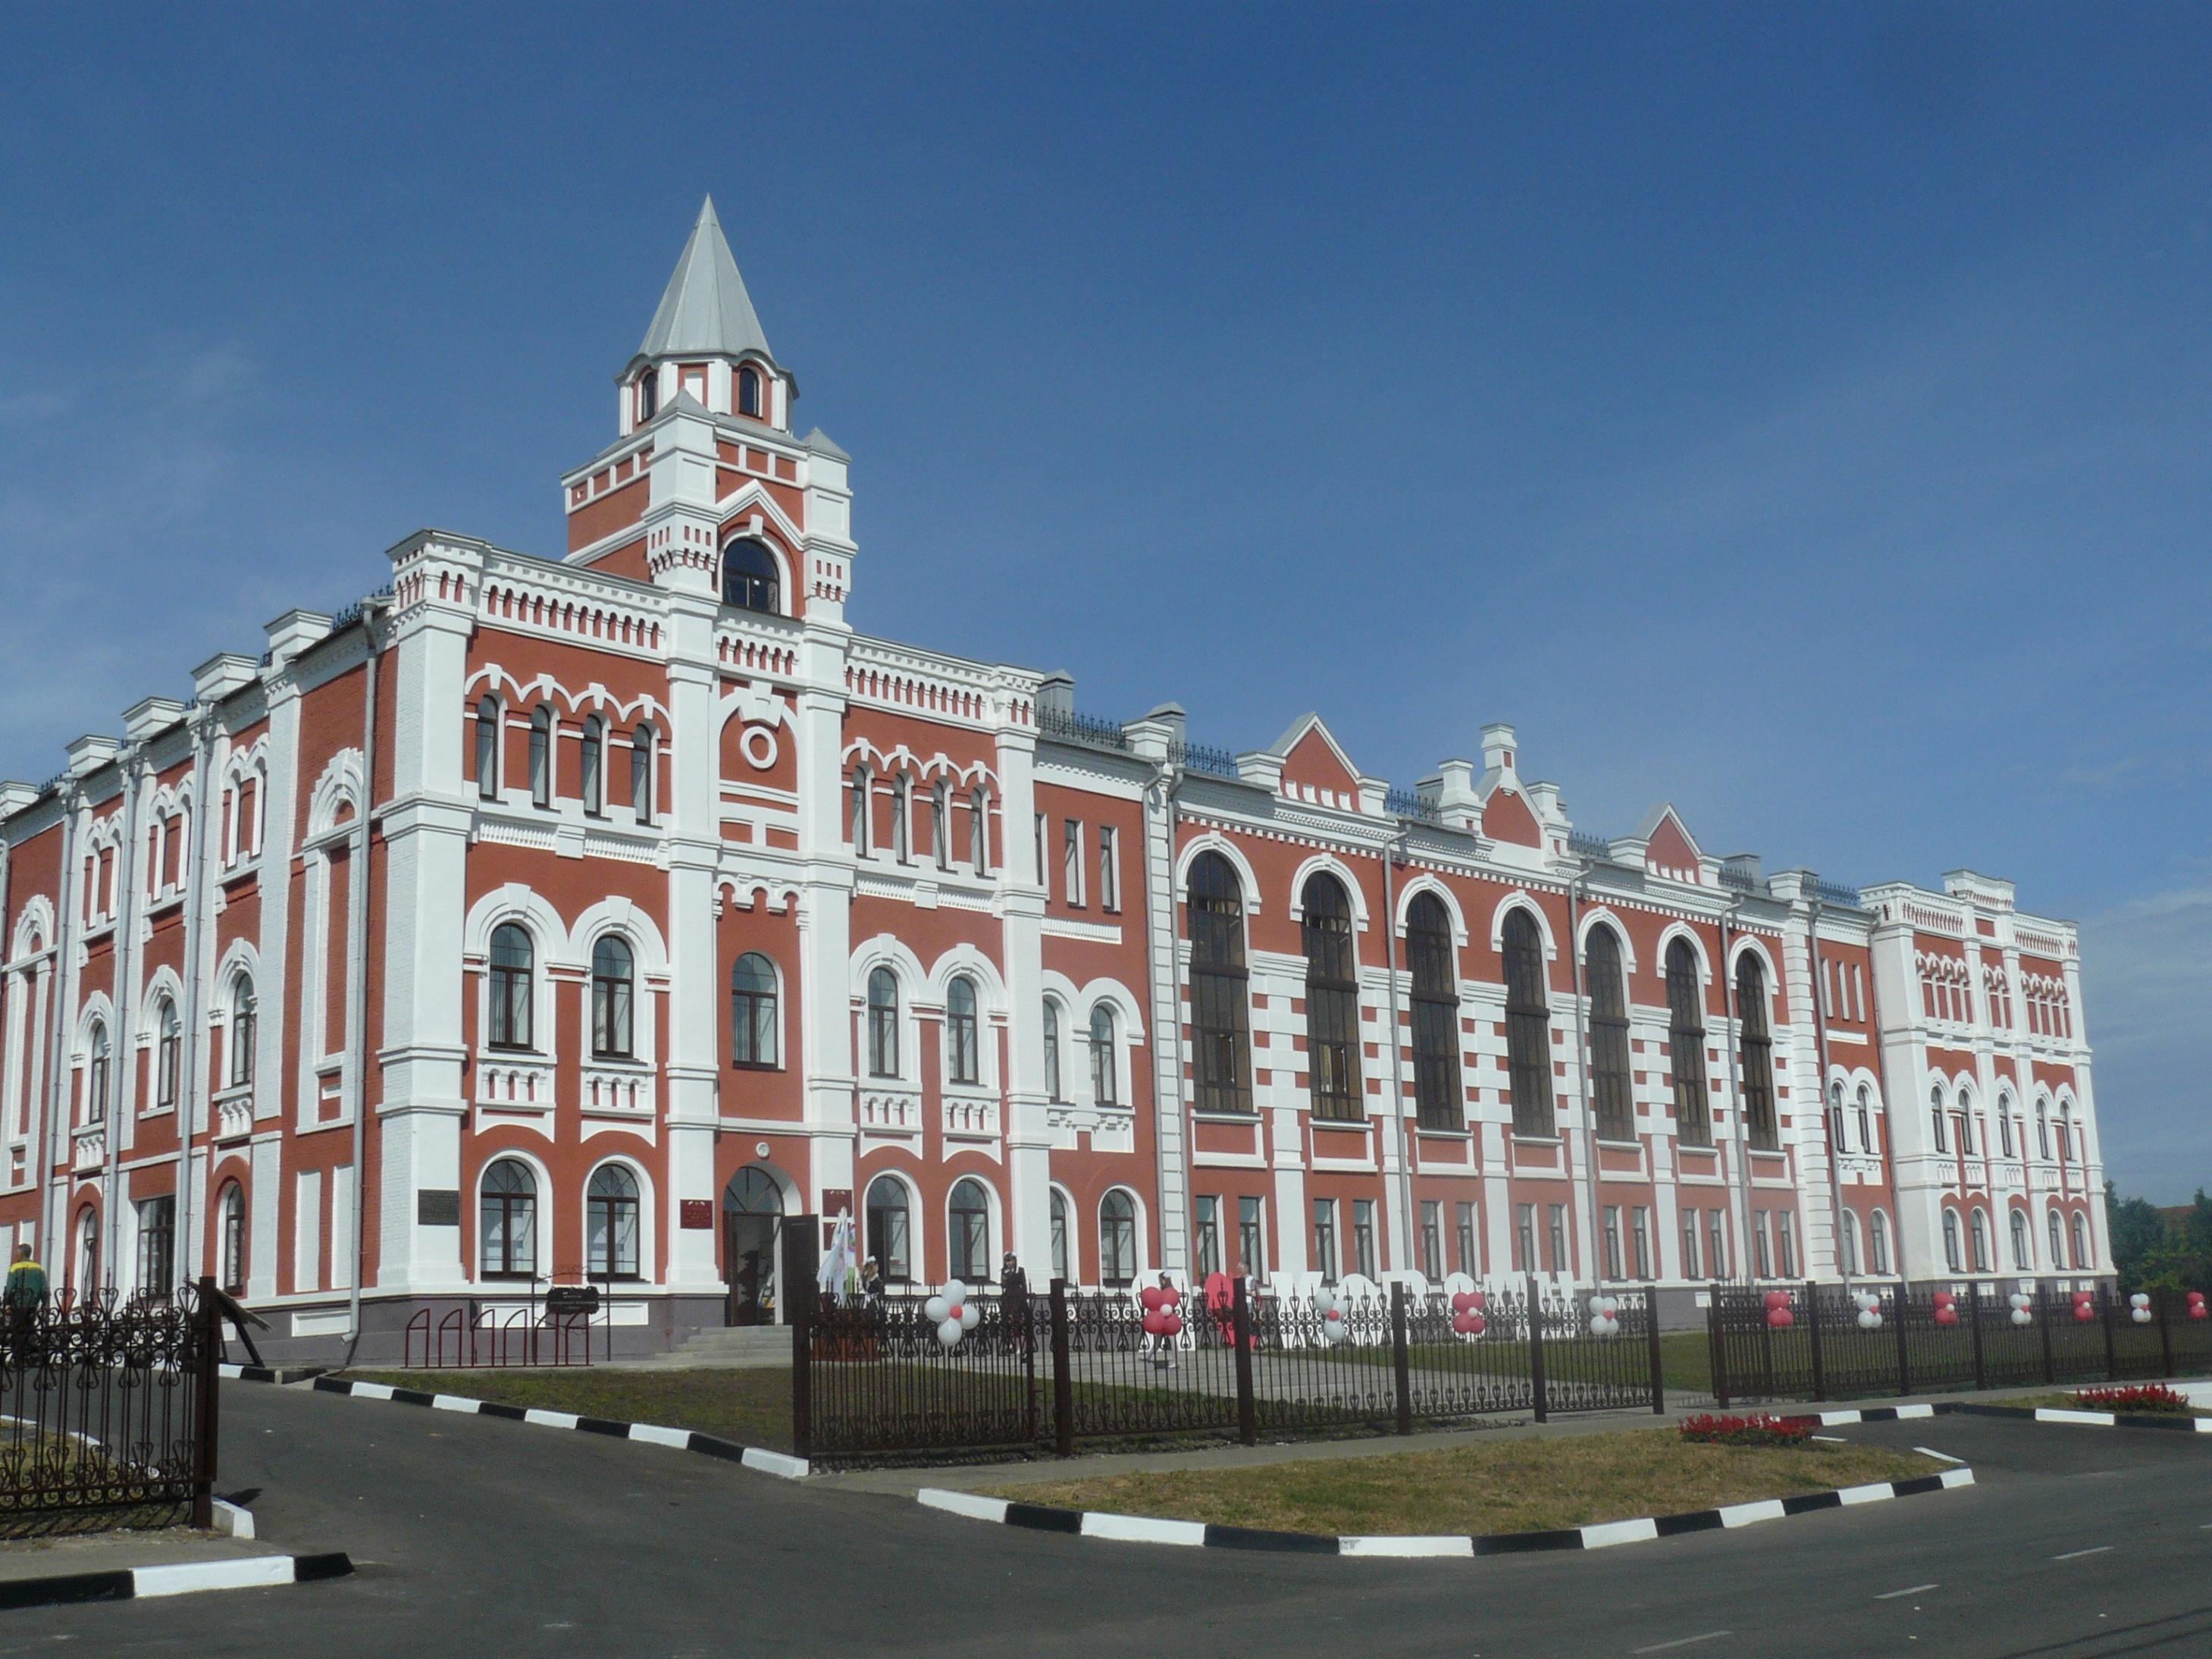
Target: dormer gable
(1669,850)
(1314,767)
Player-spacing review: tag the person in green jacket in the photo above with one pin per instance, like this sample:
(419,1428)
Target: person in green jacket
(26,1294)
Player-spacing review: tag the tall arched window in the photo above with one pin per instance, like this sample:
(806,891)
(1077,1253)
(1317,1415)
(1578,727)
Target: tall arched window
(169,1045)
(1117,1238)
(1063,1261)
(752,1011)
(749,576)
(1951,1258)
(2019,1261)
(506,1218)
(88,1250)
(941,824)
(1220,1018)
(1878,1233)
(2068,1146)
(2042,1132)
(1866,1120)
(1105,1069)
(882,1024)
(591,775)
(610,1223)
(1757,1053)
(2081,1256)
(648,395)
(614,987)
(487,733)
(889,1231)
(232,1212)
(1935,1119)
(858,815)
(244,1030)
(541,756)
(1527,1026)
(1609,1029)
(98,1058)
(960,1035)
(1051,1050)
(1837,1136)
(1430,956)
(514,962)
(1850,1235)
(2058,1243)
(970,1239)
(2004,1123)
(1979,1232)
(749,393)
(979,840)
(1685,1046)
(640,775)
(1331,1001)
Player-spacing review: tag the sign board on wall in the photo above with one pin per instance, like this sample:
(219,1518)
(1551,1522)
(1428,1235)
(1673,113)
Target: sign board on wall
(696,1214)
(437,1207)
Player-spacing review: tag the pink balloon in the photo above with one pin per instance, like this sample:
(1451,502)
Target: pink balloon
(1156,1324)
(1467,1323)
(1777,1299)
(2085,1311)
(1481,1301)
(1170,1297)
(1780,1318)
(1944,1298)
(1150,1296)
(1462,1301)
(1946,1314)
(1171,1324)
(2198,1310)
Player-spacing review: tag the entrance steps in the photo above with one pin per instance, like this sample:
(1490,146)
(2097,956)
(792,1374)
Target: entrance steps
(733,1347)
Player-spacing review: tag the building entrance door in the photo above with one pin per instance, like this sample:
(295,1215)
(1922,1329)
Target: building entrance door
(753,1214)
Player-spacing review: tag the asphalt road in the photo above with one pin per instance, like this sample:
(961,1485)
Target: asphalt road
(483,1537)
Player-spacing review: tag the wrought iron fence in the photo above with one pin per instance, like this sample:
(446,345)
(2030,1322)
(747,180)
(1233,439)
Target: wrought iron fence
(1818,1341)
(475,1337)
(107,1411)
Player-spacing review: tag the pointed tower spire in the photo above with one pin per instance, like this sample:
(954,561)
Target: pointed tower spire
(705,310)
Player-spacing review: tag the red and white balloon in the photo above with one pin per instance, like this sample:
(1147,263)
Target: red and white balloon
(951,1312)
(1946,1308)
(1869,1306)
(2197,1308)
(1330,1307)
(2085,1306)
(1163,1306)
(1778,1314)
(2021,1309)
(1605,1316)
(1466,1313)
(2139,1308)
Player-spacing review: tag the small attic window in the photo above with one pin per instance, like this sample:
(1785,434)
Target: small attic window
(750,577)
(749,393)
(648,395)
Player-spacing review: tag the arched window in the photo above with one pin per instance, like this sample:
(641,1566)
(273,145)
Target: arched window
(1220,1017)
(2058,1243)
(2004,1125)
(1951,1258)
(941,824)
(232,1212)
(1757,1053)
(513,961)
(960,1044)
(593,774)
(1936,1118)
(610,1223)
(541,756)
(88,1250)
(1117,1239)
(1105,1067)
(889,1230)
(2042,1132)
(1609,1029)
(2068,1146)
(749,391)
(858,815)
(1331,1001)
(640,775)
(1685,1046)
(1850,1236)
(1430,955)
(752,1012)
(1527,1026)
(1051,1050)
(1061,1265)
(979,840)
(613,993)
(506,1218)
(245,1019)
(169,1045)
(969,1237)
(1837,1127)
(901,816)
(648,395)
(487,725)
(2019,1261)
(882,1024)
(1866,1120)
(2082,1259)
(749,576)
(1878,1234)
(1980,1232)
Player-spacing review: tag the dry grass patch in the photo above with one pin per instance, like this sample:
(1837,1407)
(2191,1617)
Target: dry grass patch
(1520,1486)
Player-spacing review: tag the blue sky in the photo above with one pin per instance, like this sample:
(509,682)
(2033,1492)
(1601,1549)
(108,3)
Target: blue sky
(1800,414)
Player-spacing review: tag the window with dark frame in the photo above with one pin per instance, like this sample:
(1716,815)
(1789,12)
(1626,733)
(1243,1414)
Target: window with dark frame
(1560,1262)
(1052,1050)
(1220,1013)
(1109,868)
(749,393)
(507,1217)
(610,1223)
(1439,1098)
(1756,1054)
(1209,1235)
(882,1024)
(245,1031)
(1062,1262)
(1469,1260)
(1608,1026)
(960,1030)
(541,756)
(614,985)
(233,1239)
(488,736)
(1685,1046)
(889,1229)
(157,1247)
(1251,1238)
(1331,1002)
(750,580)
(640,775)
(1117,1239)
(1527,1027)
(970,1241)
(1432,1239)
(1105,1064)
(591,772)
(1324,1233)
(96,1075)
(514,962)
(648,395)
(169,1039)
(753,1028)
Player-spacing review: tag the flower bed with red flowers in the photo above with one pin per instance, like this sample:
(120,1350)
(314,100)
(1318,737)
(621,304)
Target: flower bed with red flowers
(2149,1397)
(1758,1429)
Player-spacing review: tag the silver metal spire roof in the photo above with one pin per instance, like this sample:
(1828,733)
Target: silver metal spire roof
(705,309)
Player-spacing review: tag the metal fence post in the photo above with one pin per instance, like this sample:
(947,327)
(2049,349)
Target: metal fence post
(1716,1345)
(2165,1330)
(1240,1330)
(1063,1380)
(2042,1323)
(1535,1348)
(1813,1336)
(209,1362)
(1974,1314)
(2112,1352)
(1651,1341)
(1903,1359)
(1401,1361)
(797,1294)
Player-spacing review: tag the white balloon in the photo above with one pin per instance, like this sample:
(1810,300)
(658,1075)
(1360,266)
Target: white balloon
(1612,1306)
(2142,1315)
(1869,1320)
(2018,1300)
(1324,1301)
(949,1332)
(1597,1306)
(934,1310)
(969,1315)
(2139,1300)
(953,1291)
(2022,1317)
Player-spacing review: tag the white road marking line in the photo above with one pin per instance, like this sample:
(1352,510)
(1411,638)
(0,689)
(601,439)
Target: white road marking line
(2076,1555)
(1910,1590)
(1931,1451)
(1683,1642)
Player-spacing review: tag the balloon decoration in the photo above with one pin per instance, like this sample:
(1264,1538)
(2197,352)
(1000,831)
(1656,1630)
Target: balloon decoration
(1946,1308)
(1330,1306)
(2021,1306)
(951,1312)
(1161,1303)
(1779,1316)
(1869,1306)
(1466,1313)
(2085,1305)
(2197,1308)
(2139,1308)
(1605,1316)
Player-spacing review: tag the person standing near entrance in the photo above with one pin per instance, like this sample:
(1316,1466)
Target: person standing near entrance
(25,1295)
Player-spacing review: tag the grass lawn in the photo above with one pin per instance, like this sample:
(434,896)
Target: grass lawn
(751,1407)
(1518,1486)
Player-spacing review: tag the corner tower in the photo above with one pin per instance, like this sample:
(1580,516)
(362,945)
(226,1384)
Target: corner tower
(705,490)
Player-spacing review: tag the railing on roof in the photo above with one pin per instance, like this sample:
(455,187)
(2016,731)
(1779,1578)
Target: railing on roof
(1199,758)
(1741,880)
(1411,804)
(1835,892)
(1071,727)
(1583,844)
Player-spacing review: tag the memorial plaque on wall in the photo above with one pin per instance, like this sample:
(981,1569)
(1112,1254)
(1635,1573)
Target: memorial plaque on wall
(437,1207)
(696,1214)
